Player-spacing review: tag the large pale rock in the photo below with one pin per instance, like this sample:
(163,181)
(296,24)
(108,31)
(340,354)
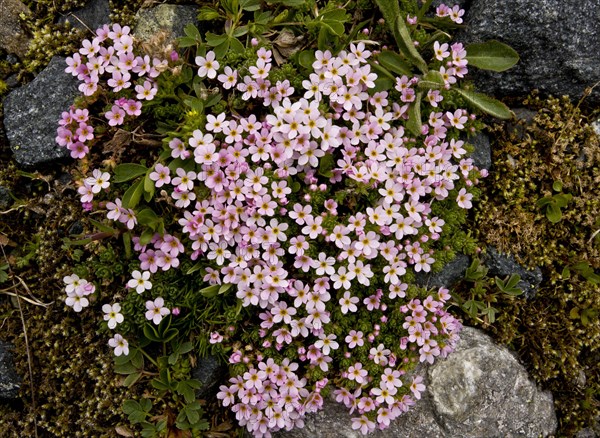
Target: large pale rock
(31,115)
(12,38)
(557,40)
(170,18)
(481,390)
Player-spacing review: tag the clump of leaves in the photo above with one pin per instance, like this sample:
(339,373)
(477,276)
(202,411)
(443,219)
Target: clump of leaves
(541,204)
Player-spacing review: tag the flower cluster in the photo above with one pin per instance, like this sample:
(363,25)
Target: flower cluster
(270,397)
(315,208)
(78,289)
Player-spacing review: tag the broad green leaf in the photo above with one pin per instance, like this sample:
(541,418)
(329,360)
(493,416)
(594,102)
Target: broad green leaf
(394,62)
(192,32)
(132,196)
(492,55)
(334,20)
(407,46)
(214,39)
(221,49)
(131,379)
(186,347)
(486,104)
(544,201)
(383,84)
(566,273)
(148,217)
(390,9)
(562,199)
(128,171)
(557,186)
(306,58)
(553,213)
(250,5)
(236,46)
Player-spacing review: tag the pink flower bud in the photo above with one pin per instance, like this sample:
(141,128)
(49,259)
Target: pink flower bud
(174,56)
(175,311)
(254,42)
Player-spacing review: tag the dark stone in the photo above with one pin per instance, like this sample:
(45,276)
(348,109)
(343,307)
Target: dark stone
(31,115)
(76,228)
(503,265)
(170,18)
(5,199)
(9,380)
(557,41)
(482,155)
(450,274)
(92,16)
(210,372)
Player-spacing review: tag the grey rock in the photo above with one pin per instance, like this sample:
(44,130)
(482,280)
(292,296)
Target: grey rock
(92,16)
(9,380)
(170,18)
(482,155)
(31,115)
(12,38)
(209,371)
(480,390)
(450,274)
(557,41)
(5,198)
(503,265)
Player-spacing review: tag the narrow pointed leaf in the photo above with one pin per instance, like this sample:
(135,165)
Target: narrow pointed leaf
(394,62)
(407,46)
(414,115)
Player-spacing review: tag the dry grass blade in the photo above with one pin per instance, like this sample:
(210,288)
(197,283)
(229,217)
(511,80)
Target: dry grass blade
(29,361)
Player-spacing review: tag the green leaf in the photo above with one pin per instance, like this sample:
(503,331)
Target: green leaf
(222,49)
(224,288)
(131,379)
(394,62)
(151,333)
(433,80)
(148,217)
(566,273)
(544,201)
(193,269)
(383,84)
(134,411)
(210,291)
(557,186)
(236,46)
(407,46)
(334,20)
(326,163)
(132,196)
(207,14)
(186,347)
(102,227)
(492,55)
(250,5)
(414,115)
(553,213)
(486,104)
(128,171)
(306,58)
(214,40)
(562,199)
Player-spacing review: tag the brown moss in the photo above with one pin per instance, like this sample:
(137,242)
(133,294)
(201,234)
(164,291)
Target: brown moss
(557,333)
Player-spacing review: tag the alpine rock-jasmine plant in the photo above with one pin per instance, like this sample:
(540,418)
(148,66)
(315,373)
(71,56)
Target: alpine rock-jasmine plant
(313,206)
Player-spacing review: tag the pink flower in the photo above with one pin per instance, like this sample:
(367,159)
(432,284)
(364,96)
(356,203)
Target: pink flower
(464,199)
(208,65)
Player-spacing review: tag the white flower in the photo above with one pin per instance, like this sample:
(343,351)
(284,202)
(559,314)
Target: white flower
(208,65)
(98,181)
(140,281)
(120,345)
(72,281)
(156,310)
(76,300)
(112,315)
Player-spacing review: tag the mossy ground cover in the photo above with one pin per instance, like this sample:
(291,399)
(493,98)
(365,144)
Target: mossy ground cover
(65,360)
